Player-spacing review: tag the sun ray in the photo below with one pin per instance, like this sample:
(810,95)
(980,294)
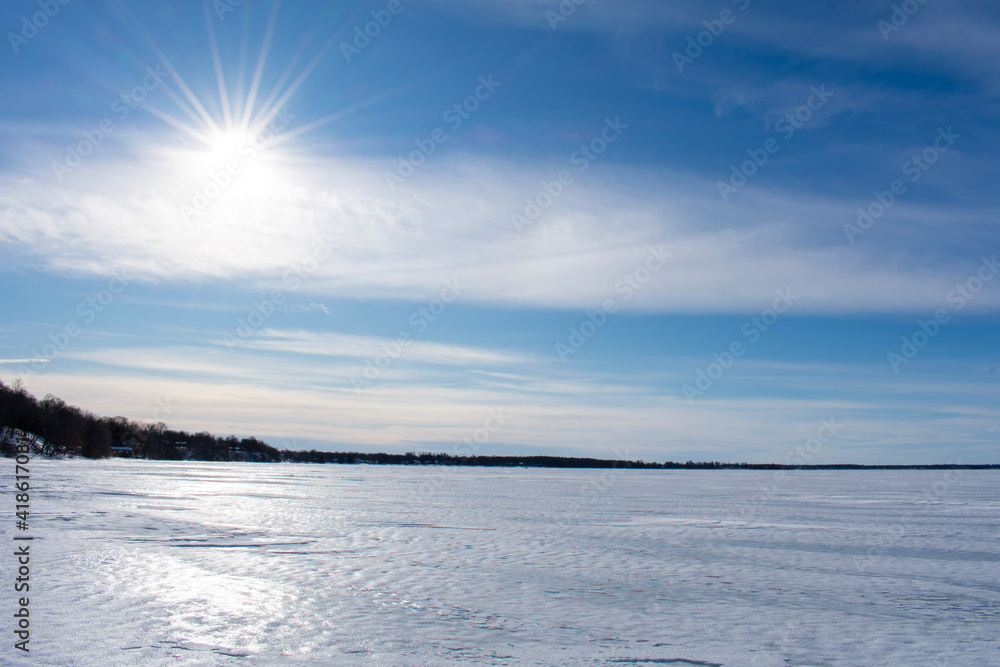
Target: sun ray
(319,122)
(273,105)
(177,78)
(278,87)
(259,71)
(167,118)
(290,91)
(241,73)
(219,76)
(147,103)
(189,94)
(244,116)
(170,120)
(183,106)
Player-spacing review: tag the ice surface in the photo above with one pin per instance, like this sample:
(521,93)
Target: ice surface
(157,563)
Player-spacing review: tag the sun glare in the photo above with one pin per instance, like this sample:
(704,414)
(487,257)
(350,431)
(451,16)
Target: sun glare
(224,145)
(234,164)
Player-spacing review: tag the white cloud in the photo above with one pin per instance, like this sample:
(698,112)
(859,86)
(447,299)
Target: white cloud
(452,221)
(360,348)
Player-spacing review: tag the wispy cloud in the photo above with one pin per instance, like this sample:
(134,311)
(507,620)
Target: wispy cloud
(725,257)
(362,347)
(316,306)
(650,426)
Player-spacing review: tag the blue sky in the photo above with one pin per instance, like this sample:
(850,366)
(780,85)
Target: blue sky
(635,229)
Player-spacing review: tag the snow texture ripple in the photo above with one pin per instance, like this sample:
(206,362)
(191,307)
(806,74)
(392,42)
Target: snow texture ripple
(188,563)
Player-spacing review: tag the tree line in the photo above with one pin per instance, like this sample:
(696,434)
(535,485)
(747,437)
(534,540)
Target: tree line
(71,431)
(75,432)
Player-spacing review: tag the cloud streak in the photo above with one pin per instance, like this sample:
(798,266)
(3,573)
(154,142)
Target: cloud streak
(455,223)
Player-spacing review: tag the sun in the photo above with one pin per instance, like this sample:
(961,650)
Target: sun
(214,150)
(231,175)
(224,145)
(244,126)
(235,157)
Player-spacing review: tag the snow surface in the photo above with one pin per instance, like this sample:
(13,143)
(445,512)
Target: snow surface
(156,563)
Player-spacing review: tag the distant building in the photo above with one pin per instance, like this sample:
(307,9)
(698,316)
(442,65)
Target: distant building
(125,449)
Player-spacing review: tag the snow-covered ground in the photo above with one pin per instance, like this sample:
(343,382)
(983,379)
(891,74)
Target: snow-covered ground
(153,563)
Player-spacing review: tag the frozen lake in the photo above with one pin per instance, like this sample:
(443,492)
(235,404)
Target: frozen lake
(155,563)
